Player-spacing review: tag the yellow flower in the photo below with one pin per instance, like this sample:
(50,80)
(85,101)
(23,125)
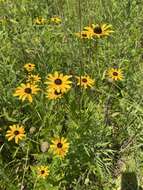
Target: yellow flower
(16,131)
(56,20)
(59,82)
(40,21)
(52,94)
(26,91)
(60,146)
(32,79)
(85,81)
(84,35)
(42,171)
(115,74)
(29,67)
(99,30)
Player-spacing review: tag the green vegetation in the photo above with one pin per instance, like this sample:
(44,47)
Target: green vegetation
(98,130)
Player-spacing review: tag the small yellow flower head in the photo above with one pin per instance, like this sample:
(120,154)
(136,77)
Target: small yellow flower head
(85,81)
(17,132)
(99,30)
(84,35)
(115,74)
(26,91)
(42,171)
(52,94)
(60,147)
(40,21)
(33,79)
(29,67)
(56,20)
(59,82)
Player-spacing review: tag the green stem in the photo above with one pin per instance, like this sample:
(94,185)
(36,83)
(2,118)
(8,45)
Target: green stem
(35,183)
(81,54)
(26,161)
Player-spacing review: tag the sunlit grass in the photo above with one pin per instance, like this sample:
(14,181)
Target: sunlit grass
(71,74)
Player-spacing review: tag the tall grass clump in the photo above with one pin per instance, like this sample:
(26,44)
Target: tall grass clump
(71,88)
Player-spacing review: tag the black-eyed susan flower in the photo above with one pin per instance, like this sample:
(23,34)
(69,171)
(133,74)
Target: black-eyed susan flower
(84,35)
(16,132)
(42,171)
(53,94)
(29,67)
(26,91)
(60,146)
(85,81)
(115,74)
(33,79)
(39,20)
(56,20)
(59,82)
(99,30)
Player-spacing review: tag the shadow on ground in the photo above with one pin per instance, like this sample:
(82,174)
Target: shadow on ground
(129,181)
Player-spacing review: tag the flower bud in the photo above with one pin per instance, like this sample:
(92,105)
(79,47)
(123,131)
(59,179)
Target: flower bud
(44,146)
(32,130)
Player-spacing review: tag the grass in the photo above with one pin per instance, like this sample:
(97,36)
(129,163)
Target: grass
(103,124)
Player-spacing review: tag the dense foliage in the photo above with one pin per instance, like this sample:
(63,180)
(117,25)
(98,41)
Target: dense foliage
(84,134)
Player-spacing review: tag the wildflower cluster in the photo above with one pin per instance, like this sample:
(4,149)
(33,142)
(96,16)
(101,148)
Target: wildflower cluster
(30,88)
(41,21)
(57,83)
(60,129)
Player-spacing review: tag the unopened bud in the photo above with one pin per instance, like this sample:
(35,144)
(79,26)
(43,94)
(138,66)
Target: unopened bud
(32,130)
(44,146)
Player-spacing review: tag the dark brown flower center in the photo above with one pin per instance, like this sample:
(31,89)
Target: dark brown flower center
(29,65)
(84,35)
(40,19)
(57,93)
(16,132)
(42,171)
(28,90)
(97,30)
(84,80)
(59,145)
(115,73)
(58,81)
